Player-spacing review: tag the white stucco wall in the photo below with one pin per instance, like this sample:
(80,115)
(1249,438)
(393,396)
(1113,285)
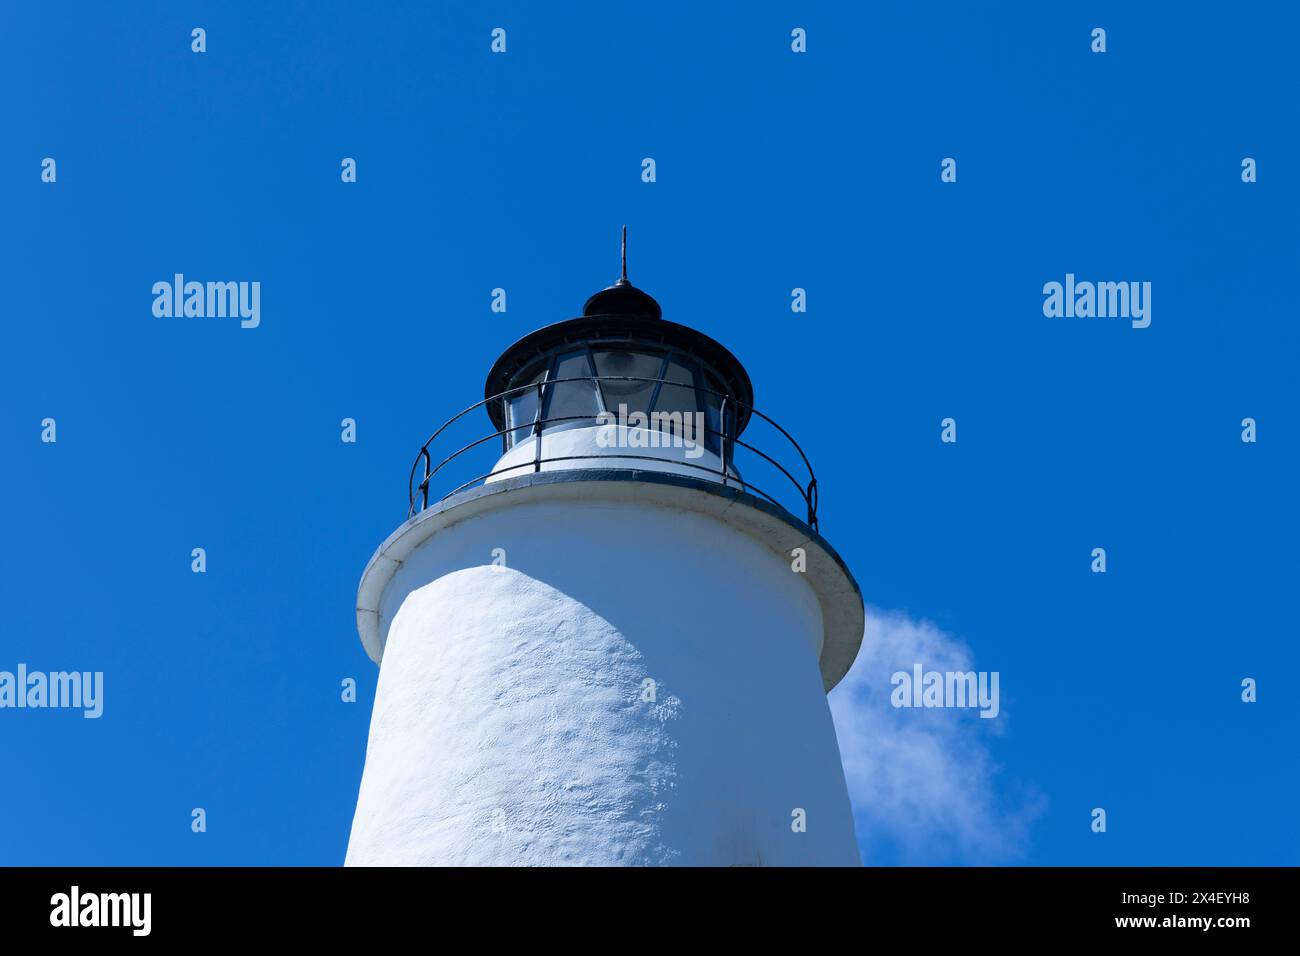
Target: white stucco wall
(509,727)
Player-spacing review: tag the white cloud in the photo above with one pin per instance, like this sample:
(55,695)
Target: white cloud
(922,781)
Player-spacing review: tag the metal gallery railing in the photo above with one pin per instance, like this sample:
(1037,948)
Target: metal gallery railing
(729,410)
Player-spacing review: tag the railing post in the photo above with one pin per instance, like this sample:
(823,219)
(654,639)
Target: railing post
(537,427)
(424,485)
(722,420)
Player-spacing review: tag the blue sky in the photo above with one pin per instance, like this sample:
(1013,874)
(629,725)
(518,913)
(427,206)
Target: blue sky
(774,171)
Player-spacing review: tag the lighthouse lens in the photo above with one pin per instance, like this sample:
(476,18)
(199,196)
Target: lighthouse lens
(628,370)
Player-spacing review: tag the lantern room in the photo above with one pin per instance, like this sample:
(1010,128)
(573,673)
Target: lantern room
(618,382)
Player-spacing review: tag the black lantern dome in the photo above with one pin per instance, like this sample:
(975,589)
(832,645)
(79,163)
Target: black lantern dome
(623,298)
(619,353)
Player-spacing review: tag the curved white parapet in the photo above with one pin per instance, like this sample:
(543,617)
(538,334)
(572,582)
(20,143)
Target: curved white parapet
(387,578)
(612,444)
(571,680)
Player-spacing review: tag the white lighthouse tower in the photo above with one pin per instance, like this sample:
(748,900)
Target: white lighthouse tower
(610,646)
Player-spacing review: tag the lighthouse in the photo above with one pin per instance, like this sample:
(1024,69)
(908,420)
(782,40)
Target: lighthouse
(611,642)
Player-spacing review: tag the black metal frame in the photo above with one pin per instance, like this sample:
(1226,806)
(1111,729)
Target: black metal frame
(729,440)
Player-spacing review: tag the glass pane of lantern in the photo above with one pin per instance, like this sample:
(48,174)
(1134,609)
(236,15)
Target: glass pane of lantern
(567,399)
(637,365)
(521,409)
(678,396)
